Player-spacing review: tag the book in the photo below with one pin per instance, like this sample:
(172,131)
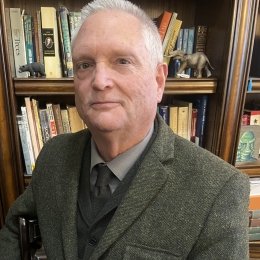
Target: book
(249,143)
(29,162)
(46,135)
(35,109)
(173,39)
(200,103)
(9,41)
(28,136)
(254,116)
(190,45)
(200,40)
(254,236)
(32,126)
(163,22)
(164,112)
(50,42)
(254,213)
(57,118)
(16,20)
(74,21)
(169,31)
(28,35)
(51,120)
(173,119)
(65,121)
(76,123)
(39,33)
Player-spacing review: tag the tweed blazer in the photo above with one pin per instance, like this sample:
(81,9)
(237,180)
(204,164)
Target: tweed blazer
(184,203)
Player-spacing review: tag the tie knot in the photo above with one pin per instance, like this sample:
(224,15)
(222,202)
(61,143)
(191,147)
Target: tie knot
(104,175)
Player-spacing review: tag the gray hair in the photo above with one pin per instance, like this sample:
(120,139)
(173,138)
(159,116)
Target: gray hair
(151,35)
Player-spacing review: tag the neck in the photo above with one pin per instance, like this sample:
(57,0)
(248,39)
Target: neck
(110,145)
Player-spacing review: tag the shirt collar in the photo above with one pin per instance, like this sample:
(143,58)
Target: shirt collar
(121,164)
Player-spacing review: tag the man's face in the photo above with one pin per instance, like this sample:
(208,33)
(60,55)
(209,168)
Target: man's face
(116,89)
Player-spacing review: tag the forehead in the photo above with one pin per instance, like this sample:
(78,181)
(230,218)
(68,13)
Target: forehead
(109,23)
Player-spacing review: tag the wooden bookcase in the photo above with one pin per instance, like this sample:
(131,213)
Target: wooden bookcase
(231,31)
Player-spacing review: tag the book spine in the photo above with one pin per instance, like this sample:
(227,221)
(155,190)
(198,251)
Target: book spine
(24,143)
(190,44)
(18,41)
(9,40)
(35,108)
(76,123)
(51,120)
(164,112)
(164,21)
(63,13)
(200,38)
(57,118)
(44,125)
(185,40)
(50,42)
(27,22)
(173,120)
(201,105)
(39,26)
(169,31)
(65,121)
(28,136)
(32,126)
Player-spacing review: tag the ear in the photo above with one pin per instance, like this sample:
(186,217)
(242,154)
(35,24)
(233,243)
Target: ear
(161,75)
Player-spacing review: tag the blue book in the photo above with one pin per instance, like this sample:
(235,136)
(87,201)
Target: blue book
(29,48)
(164,112)
(190,44)
(200,104)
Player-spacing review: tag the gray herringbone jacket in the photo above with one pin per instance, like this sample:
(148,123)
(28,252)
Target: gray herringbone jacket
(184,203)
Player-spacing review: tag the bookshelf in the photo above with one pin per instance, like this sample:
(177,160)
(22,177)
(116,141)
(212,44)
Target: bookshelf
(231,26)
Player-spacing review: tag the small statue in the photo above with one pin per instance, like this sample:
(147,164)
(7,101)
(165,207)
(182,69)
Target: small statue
(36,69)
(197,61)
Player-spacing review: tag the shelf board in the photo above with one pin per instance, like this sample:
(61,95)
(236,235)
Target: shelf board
(250,168)
(64,86)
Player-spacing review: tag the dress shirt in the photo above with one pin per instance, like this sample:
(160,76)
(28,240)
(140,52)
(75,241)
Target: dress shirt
(121,164)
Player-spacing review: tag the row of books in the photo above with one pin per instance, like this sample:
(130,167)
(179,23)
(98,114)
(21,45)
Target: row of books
(254,209)
(44,36)
(189,40)
(186,118)
(39,124)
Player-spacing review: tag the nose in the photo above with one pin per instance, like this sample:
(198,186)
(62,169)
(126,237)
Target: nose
(102,76)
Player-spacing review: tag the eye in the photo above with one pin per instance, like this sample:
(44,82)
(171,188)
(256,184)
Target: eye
(83,65)
(123,61)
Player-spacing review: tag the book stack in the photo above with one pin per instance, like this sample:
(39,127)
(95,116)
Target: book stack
(39,124)
(186,118)
(43,37)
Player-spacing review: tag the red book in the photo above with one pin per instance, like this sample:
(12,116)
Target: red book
(163,22)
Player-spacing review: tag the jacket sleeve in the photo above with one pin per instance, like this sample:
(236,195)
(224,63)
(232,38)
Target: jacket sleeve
(225,233)
(9,234)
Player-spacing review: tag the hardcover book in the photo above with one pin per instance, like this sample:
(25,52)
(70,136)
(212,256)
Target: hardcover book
(16,20)
(50,42)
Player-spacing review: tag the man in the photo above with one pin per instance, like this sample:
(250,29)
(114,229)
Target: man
(170,198)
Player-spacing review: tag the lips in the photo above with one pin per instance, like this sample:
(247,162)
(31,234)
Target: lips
(104,104)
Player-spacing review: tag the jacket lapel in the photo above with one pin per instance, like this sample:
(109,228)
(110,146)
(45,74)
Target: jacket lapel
(148,182)
(68,192)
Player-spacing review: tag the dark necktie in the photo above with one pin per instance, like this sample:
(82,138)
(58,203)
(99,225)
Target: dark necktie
(102,190)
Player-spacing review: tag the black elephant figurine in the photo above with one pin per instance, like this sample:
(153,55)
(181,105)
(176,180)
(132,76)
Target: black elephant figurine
(36,69)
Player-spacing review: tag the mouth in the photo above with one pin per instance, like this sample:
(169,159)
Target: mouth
(104,105)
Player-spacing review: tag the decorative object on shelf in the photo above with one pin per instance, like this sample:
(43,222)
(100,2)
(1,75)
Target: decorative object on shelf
(249,143)
(198,61)
(36,69)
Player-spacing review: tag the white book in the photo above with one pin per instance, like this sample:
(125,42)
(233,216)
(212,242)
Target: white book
(28,135)
(16,20)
